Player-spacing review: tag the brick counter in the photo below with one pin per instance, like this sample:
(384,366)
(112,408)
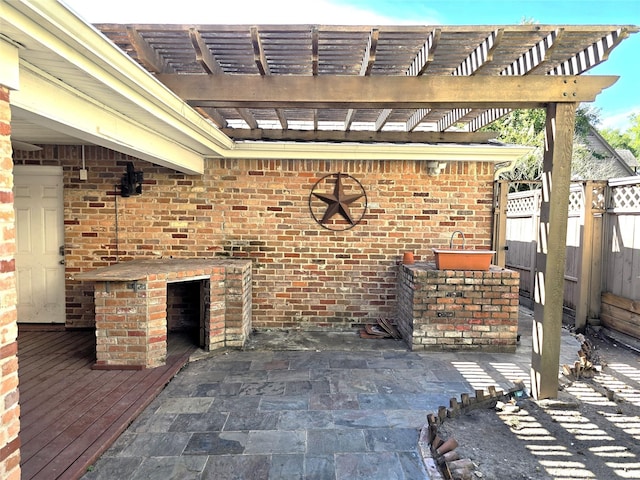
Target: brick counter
(131,307)
(458,310)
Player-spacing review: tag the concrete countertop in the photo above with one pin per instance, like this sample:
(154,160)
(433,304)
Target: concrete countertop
(139,269)
(429,266)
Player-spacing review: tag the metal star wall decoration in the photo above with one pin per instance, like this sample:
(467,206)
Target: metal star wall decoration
(339,202)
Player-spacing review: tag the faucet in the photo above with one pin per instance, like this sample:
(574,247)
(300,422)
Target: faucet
(453,235)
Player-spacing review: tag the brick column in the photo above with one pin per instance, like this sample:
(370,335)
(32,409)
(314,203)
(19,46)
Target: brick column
(9,406)
(131,324)
(458,310)
(238,304)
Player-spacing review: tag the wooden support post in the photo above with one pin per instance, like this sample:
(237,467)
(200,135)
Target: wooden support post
(550,259)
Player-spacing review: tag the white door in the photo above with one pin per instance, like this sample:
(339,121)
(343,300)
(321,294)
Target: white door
(39,213)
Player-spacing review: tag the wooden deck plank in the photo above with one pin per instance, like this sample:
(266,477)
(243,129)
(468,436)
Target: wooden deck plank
(51,375)
(107,430)
(59,447)
(70,413)
(59,348)
(46,425)
(62,389)
(38,342)
(58,377)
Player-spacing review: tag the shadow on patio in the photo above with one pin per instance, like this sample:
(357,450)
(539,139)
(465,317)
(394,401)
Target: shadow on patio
(591,431)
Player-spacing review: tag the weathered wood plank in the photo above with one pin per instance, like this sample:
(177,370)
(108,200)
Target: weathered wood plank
(619,325)
(360,136)
(621,314)
(621,302)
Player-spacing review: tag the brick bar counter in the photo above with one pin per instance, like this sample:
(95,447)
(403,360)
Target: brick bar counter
(458,310)
(131,307)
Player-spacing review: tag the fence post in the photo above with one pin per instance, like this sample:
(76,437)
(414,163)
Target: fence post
(500,221)
(586,252)
(595,285)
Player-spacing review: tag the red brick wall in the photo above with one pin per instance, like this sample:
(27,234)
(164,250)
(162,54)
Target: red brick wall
(9,406)
(304,275)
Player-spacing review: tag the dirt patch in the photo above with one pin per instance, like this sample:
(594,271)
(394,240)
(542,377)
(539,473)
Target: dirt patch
(591,432)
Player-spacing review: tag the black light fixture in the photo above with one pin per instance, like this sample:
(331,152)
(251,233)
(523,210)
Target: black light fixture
(131,182)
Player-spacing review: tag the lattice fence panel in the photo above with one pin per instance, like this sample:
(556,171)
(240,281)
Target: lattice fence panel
(624,198)
(576,200)
(523,204)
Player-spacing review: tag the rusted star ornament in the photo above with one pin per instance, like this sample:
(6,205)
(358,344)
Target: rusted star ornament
(339,202)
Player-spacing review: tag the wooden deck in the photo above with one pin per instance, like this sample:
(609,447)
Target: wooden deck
(70,414)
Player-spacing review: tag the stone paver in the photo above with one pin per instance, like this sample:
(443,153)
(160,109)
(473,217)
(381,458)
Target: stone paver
(326,415)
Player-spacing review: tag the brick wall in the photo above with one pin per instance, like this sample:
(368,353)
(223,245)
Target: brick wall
(304,276)
(9,406)
(458,310)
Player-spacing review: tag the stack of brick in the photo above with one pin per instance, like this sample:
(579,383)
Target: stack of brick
(439,455)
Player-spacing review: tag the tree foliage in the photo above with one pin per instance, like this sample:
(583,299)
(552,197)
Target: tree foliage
(629,139)
(526,127)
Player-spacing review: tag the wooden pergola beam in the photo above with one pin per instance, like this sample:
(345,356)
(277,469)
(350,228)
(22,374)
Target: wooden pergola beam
(359,136)
(258,53)
(368,60)
(334,91)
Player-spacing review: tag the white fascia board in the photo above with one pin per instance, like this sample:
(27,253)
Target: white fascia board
(54,26)
(355,151)
(9,60)
(42,98)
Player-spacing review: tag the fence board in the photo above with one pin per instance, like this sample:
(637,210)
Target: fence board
(622,240)
(617,236)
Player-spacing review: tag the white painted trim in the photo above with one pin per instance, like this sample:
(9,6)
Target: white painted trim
(68,111)
(9,59)
(354,151)
(48,170)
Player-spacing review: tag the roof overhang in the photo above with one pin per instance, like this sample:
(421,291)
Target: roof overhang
(74,81)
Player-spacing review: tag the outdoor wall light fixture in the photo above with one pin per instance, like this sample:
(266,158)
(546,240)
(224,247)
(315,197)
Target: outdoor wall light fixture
(131,182)
(434,167)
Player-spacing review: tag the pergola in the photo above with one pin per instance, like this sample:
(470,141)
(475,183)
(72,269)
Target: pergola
(312,91)
(399,85)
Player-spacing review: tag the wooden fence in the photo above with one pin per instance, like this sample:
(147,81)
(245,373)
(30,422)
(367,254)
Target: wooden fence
(602,268)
